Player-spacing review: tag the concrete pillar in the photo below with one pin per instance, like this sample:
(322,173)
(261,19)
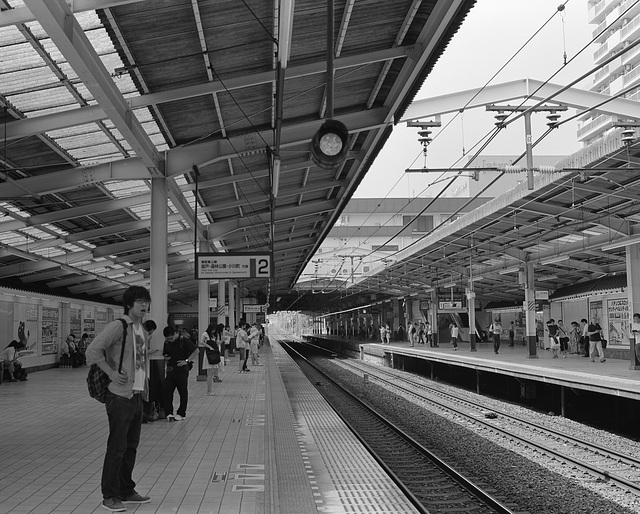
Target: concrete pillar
(203,315)
(159,284)
(232,306)
(633,294)
(221,301)
(433,317)
(530,310)
(471,309)
(158,263)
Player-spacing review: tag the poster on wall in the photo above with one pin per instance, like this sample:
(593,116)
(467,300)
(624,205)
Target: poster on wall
(6,323)
(618,311)
(50,330)
(75,322)
(89,324)
(101,321)
(25,326)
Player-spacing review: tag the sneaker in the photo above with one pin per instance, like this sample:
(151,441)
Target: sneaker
(177,417)
(217,379)
(113,504)
(603,359)
(171,417)
(135,498)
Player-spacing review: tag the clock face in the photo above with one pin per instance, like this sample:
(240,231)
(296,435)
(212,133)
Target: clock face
(330,144)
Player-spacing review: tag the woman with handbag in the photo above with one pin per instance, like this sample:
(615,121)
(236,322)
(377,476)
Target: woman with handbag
(209,341)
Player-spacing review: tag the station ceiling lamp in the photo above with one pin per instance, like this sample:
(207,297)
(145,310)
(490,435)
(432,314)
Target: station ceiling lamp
(329,144)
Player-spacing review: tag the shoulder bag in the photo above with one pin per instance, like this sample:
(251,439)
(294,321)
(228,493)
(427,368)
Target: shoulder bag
(97,380)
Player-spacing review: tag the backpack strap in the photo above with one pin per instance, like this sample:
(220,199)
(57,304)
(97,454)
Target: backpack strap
(124,339)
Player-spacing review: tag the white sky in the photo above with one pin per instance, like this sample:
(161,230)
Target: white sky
(492,33)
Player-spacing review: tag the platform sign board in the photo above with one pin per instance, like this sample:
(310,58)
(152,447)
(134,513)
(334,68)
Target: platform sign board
(541,295)
(451,306)
(254,308)
(214,266)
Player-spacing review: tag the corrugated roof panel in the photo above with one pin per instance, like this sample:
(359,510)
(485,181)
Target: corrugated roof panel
(53,110)
(94,137)
(36,101)
(18,56)
(126,188)
(49,252)
(36,233)
(13,239)
(10,36)
(90,152)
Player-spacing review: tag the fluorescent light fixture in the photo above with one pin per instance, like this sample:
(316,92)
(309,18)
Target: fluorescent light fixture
(553,260)
(285,31)
(627,241)
(548,277)
(507,271)
(477,278)
(276,175)
(449,286)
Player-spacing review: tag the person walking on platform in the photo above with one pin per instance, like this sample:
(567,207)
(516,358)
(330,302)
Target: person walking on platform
(179,353)
(254,340)
(563,337)
(429,332)
(383,334)
(574,337)
(554,342)
(242,344)
(635,330)
(413,333)
(124,397)
(512,334)
(211,359)
(594,331)
(455,332)
(584,337)
(387,333)
(496,329)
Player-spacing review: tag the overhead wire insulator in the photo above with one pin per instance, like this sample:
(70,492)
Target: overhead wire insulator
(513,169)
(500,117)
(628,135)
(553,118)
(547,169)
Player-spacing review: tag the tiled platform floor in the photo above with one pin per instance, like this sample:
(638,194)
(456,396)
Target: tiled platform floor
(265,443)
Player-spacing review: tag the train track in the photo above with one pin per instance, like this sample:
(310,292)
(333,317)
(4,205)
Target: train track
(602,462)
(432,485)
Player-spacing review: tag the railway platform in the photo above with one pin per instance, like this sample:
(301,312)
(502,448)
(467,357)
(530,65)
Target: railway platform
(612,377)
(267,442)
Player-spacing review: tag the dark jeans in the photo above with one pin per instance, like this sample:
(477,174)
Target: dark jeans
(496,342)
(125,421)
(176,379)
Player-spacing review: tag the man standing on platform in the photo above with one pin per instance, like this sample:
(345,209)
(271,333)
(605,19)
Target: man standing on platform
(124,397)
(594,332)
(584,340)
(179,354)
(496,329)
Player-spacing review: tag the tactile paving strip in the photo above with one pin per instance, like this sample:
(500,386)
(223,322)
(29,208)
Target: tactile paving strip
(343,476)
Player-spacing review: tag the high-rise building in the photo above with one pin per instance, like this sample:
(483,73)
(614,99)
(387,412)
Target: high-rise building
(617,25)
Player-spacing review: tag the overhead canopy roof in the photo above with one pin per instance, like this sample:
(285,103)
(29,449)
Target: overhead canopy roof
(99,102)
(573,227)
